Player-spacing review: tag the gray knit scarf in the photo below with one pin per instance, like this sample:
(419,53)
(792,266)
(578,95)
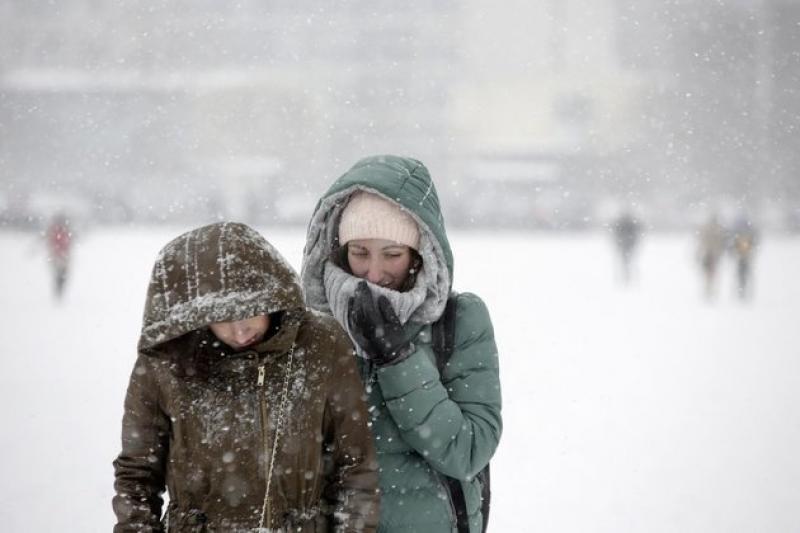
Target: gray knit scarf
(328,288)
(340,287)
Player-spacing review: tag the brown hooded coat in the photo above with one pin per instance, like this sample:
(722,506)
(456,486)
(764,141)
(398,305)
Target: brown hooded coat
(274,436)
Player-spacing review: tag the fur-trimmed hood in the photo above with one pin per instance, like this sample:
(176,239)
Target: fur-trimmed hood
(406,182)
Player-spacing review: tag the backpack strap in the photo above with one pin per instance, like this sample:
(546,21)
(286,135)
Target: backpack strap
(459,503)
(486,494)
(443,333)
(443,337)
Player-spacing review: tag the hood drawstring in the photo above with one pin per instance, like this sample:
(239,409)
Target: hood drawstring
(278,428)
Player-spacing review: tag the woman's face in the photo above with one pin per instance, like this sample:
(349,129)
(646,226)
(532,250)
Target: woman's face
(240,334)
(379,261)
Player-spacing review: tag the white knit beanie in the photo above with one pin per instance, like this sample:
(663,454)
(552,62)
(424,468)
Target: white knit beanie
(368,216)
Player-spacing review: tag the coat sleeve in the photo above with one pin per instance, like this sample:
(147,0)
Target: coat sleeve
(453,420)
(352,490)
(140,468)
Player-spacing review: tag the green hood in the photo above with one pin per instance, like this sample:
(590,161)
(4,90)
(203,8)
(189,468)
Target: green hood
(217,273)
(405,181)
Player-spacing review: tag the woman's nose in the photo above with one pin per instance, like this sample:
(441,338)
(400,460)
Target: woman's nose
(374,274)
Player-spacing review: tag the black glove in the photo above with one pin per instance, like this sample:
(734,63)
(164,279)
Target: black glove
(377,329)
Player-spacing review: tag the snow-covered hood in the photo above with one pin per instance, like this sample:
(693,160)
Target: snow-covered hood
(406,182)
(217,273)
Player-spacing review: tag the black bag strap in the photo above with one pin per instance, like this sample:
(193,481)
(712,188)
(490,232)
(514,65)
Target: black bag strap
(459,503)
(486,494)
(443,333)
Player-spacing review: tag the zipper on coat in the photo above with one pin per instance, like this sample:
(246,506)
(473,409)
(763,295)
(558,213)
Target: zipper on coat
(262,403)
(266,511)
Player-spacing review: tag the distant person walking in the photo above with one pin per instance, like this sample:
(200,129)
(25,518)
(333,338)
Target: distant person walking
(627,232)
(59,239)
(711,246)
(744,240)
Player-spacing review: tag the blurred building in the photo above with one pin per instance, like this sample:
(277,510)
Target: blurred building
(187,110)
(529,114)
(721,91)
(545,119)
(666,106)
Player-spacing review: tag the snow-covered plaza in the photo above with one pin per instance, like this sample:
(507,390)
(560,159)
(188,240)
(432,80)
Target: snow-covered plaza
(643,408)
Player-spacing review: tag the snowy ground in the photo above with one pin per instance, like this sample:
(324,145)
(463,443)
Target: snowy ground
(640,409)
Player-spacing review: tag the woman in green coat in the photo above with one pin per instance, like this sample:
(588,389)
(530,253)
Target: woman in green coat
(377,258)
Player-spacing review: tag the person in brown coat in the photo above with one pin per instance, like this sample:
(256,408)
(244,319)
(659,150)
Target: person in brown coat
(245,405)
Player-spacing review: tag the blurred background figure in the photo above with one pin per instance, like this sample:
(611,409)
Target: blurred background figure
(627,232)
(59,242)
(744,239)
(711,246)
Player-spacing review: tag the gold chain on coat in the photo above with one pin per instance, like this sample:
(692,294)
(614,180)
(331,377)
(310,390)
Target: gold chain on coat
(278,427)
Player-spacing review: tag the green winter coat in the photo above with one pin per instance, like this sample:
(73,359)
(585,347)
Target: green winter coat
(425,425)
